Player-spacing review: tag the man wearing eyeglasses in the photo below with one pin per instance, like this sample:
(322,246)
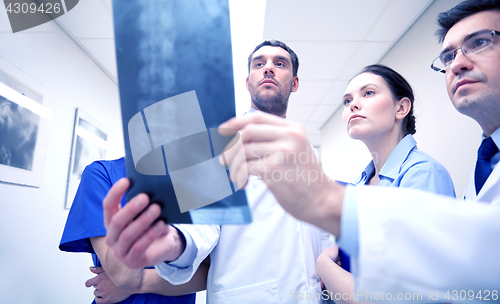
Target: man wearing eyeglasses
(404,241)
(470,61)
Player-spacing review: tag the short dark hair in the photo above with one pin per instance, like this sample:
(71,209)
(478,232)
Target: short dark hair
(463,10)
(400,88)
(293,56)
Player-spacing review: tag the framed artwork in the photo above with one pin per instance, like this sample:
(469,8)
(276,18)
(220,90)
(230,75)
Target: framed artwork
(25,115)
(90,140)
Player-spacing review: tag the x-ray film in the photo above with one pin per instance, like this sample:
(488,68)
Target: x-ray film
(176,87)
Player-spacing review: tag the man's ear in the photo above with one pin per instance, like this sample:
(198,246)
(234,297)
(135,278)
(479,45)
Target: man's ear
(295,83)
(247,82)
(404,106)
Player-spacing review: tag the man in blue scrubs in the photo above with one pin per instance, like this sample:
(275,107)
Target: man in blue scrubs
(84,232)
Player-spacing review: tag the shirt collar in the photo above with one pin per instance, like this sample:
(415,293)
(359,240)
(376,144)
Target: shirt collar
(367,172)
(496,139)
(252,109)
(393,164)
(495,136)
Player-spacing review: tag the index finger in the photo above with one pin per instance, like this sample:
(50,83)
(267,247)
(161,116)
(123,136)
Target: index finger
(111,203)
(91,282)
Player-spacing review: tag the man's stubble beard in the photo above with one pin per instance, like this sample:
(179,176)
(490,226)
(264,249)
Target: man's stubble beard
(275,104)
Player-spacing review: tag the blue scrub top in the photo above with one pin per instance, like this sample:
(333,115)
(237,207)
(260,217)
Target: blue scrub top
(86,220)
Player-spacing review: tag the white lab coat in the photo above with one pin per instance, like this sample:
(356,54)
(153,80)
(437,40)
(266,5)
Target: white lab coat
(271,260)
(490,193)
(417,242)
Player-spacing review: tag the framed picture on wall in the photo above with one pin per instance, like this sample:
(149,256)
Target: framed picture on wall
(90,141)
(25,115)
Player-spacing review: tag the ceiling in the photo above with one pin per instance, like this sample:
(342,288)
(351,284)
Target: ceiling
(333,39)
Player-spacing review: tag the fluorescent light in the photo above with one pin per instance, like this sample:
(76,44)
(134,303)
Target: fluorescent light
(91,137)
(25,102)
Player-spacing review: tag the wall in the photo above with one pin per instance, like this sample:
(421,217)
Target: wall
(32,219)
(442,132)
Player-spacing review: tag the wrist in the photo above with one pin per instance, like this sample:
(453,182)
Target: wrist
(328,206)
(143,286)
(179,244)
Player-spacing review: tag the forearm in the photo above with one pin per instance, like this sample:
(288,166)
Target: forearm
(327,209)
(153,283)
(404,222)
(123,276)
(336,280)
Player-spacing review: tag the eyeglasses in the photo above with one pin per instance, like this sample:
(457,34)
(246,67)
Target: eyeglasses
(474,44)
